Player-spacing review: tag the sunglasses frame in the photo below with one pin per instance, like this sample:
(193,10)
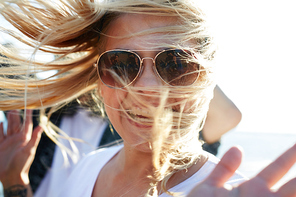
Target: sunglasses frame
(141,66)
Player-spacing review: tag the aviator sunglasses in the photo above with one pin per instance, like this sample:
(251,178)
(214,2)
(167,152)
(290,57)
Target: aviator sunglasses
(120,68)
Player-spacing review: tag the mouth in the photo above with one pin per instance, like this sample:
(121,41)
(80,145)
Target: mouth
(139,114)
(140,117)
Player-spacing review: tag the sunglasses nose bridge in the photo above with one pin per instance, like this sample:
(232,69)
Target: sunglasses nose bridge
(145,66)
(147,58)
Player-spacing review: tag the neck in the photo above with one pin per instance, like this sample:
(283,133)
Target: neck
(134,162)
(137,165)
(127,173)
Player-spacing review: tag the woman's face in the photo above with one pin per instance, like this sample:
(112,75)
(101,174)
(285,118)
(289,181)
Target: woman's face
(114,99)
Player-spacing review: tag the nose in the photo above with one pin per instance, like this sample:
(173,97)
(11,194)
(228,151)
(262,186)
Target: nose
(147,77)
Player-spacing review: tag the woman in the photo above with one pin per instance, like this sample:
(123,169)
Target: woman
(157,112)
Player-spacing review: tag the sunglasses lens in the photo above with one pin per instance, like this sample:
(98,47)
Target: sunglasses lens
(118,68)
(174,68)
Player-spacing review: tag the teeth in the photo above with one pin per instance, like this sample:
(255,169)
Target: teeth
(138,113)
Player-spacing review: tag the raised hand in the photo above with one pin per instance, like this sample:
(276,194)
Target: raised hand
(17,149)
(258,186)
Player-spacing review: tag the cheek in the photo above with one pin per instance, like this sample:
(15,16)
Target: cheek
(111,103)
(183,105)
(108,96)
(112,98)
(102,91)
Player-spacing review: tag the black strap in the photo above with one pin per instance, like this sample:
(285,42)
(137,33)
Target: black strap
(211,148)
(109,136)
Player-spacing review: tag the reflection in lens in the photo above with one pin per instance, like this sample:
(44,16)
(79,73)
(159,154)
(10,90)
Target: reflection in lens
(118,68)
(174,68)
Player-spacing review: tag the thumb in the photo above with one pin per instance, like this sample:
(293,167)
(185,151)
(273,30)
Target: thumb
(225,168)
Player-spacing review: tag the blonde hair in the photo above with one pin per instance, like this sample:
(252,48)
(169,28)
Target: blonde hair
(74,31)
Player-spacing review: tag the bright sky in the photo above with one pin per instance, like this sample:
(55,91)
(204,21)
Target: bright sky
(256,62)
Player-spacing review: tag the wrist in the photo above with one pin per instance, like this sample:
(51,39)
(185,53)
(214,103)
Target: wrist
(21,179)
(17,186)
(16,191)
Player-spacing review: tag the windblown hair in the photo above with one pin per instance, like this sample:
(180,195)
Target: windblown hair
(74,31)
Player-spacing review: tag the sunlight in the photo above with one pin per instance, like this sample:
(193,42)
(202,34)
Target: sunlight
(256,61)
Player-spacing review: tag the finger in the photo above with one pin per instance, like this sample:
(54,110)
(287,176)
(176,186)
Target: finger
(226,167)
(279,167)
(28,124)
(35,138)
(288,189)
(2,136)
(14,122)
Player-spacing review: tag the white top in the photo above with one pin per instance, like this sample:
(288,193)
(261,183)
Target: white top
(81,182)
(81,126)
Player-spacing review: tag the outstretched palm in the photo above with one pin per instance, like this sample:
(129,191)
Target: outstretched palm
(17,148)
(256,187)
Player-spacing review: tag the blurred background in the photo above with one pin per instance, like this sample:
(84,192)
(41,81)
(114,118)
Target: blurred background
(256,61)
(256,69)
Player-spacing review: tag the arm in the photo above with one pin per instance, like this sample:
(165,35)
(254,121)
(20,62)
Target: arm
(222,116)
(260,185)
(17,151)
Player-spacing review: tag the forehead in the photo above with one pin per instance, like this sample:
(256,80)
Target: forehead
(128,29)
(134,23)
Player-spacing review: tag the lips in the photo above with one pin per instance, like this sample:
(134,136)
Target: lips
(136,111)
(139,117)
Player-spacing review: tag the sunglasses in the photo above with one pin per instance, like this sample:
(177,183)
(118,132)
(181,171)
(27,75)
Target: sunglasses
(120,68)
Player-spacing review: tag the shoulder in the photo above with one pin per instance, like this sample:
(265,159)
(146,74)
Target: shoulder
(95,160)
(102,153)
(83,177)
